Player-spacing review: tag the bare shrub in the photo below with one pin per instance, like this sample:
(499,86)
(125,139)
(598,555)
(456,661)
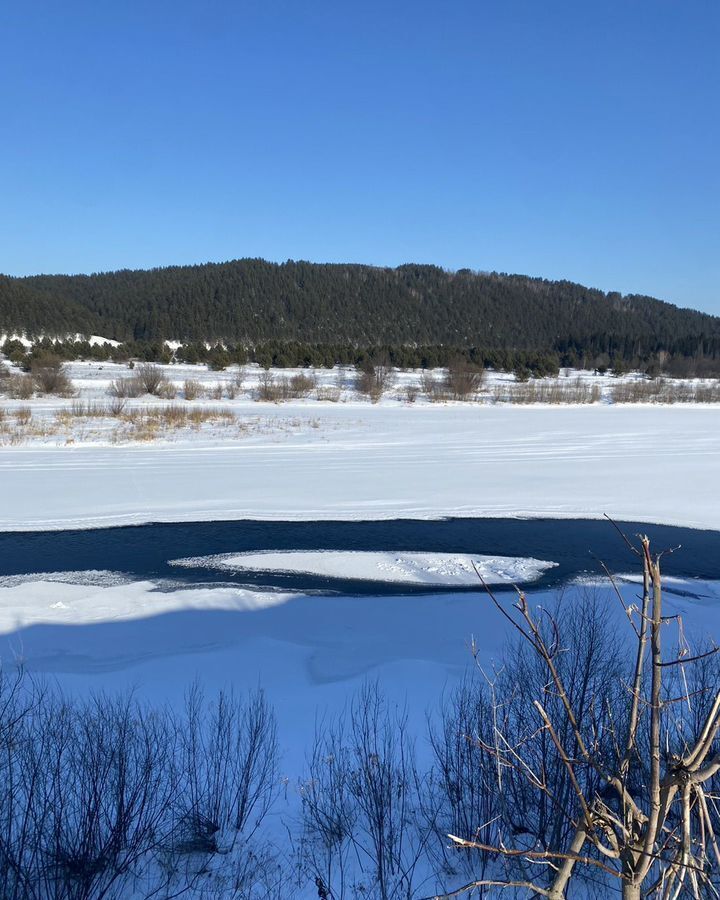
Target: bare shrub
(277,389)
(270,389)
(373,380)
(97,797)
(434,389)
(236,383)
(166,391)
(411,393)
(19,387)
(645,391)
(553,392)
(362,799)
(328,393)
(660,390)
(615,750)
(302,384)
(23,414)
(462,794)
(125,388)
(707,392)
(117,405)
(463,379)
(108,761)
(51,376)
(192,390)
(229,760)
(150,378)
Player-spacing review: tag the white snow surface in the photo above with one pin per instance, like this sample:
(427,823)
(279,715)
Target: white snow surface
(91,632)
(93,339)
(399,567)
(62,598)
(655,464)
(311,459)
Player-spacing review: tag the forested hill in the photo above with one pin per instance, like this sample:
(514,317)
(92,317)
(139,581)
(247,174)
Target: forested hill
(253,301)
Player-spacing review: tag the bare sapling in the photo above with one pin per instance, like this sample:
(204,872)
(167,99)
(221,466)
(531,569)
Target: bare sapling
(639,812)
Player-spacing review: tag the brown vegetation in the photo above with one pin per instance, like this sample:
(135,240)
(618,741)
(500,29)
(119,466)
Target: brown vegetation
(553,392)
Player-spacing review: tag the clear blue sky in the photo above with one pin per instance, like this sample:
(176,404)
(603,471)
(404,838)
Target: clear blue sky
(576,139)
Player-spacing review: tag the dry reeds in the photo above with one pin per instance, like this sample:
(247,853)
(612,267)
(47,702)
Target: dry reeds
(660,390)
(550,392)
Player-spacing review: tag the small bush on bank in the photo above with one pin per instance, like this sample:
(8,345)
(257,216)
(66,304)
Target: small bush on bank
(302,384)
(50,376)
(125,388)
(463,379)
(374,379)
(272,389)
(193,389)
(236,384)
(151,379)
(19,387)
(146,379)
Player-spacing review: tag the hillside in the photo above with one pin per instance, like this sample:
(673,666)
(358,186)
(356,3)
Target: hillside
(251,301)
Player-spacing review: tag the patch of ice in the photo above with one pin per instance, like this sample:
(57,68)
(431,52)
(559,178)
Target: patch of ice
(89,577)
(452,569)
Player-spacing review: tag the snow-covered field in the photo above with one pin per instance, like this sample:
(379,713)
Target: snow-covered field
(307,459)
(657,464)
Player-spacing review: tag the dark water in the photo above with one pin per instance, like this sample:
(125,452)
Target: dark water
(143,552)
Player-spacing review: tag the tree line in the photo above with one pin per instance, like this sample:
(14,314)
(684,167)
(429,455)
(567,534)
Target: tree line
(328,312)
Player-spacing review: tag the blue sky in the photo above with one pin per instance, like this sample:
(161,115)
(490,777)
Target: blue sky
(565,139)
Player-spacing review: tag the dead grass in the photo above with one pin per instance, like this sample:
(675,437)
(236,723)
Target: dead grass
(115,422)
(18,427)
